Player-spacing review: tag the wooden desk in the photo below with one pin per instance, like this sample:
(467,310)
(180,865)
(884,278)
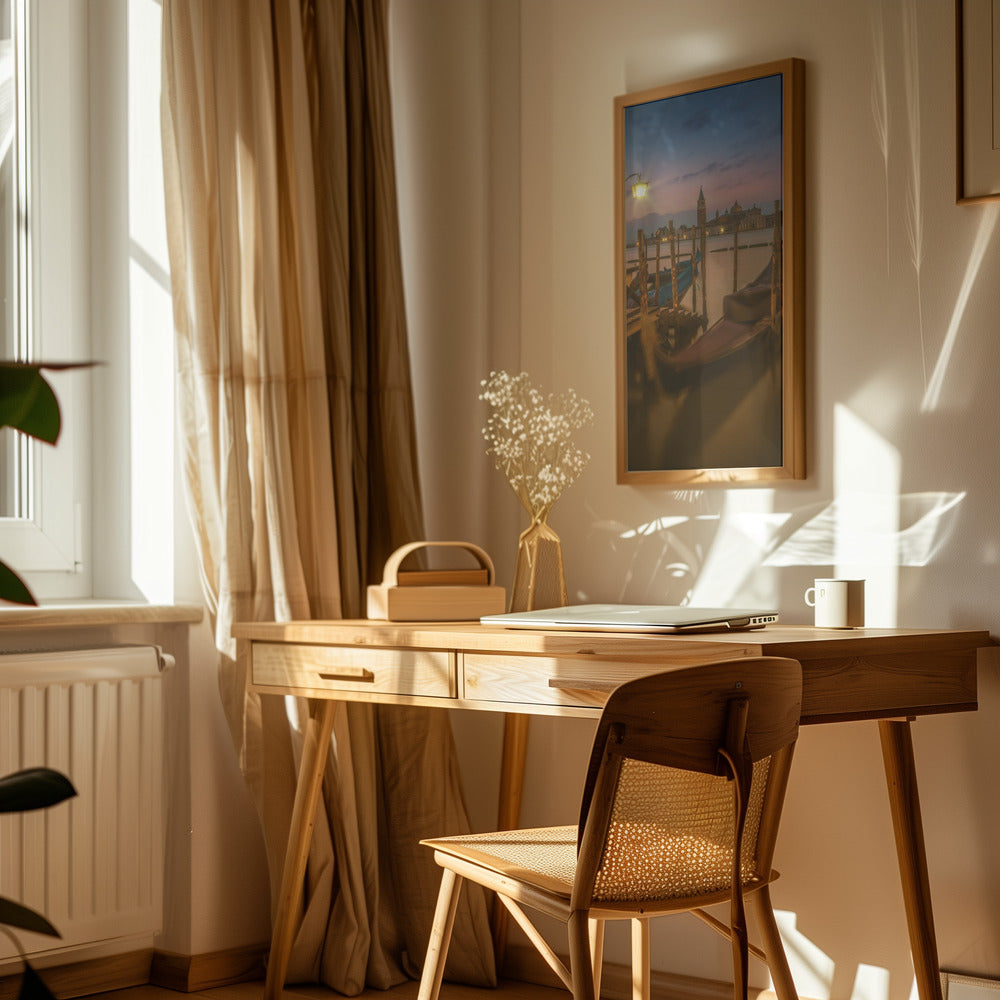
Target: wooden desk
(889,675)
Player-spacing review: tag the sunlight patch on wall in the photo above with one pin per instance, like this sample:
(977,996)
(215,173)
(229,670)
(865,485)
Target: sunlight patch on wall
(871,983)
(925,521)
(150,328)
(811,968)
(718,556)
(652,528)
(747,524)
(987,223)
(866,477)
(914,215)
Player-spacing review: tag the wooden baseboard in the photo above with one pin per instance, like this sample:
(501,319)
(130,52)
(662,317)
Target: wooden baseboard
(93,975)
(184,973)
(191,973)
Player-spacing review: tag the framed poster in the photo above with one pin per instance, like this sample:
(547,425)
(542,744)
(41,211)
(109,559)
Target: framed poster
(977,41)
(709,259)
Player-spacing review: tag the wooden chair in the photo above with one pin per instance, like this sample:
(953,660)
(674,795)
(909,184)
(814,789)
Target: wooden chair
(680,810)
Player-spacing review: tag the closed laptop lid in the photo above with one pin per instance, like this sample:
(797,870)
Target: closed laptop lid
(635,618)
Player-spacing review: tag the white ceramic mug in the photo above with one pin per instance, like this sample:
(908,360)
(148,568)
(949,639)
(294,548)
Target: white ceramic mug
(838,603)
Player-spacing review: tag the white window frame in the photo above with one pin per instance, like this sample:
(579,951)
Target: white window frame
(49,546)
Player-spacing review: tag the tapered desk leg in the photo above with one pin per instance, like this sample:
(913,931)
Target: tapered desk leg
(315,746)
(901,779)
(515,745)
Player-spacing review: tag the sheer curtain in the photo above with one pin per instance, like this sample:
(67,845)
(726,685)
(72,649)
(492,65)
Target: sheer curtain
(297,426)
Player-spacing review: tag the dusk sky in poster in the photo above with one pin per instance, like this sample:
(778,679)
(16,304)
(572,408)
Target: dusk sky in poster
(726,140)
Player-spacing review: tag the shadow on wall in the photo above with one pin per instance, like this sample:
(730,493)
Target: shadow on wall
(905,67)
(665,559)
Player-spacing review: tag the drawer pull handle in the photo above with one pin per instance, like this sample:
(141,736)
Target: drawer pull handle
(348,674)
(579,684)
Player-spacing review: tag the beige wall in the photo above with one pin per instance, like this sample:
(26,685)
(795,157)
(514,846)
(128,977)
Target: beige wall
(504,135)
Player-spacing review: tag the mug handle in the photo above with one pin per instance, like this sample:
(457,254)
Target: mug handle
(811,603)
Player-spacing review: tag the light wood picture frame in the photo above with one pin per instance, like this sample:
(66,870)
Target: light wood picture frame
(977,92)
(709,194)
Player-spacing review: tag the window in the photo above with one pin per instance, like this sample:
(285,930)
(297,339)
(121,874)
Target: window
(13,455)
(44,283)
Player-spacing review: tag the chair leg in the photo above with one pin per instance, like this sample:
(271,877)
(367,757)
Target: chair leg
(580,964)
(640,959)
(741,959)
(437,947)
(597,951)
(777,962)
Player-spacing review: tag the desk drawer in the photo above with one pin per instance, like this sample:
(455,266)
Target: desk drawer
(581,682)
(428,673)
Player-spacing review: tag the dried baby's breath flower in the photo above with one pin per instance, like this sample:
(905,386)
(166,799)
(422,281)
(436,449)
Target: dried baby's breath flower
(529,438)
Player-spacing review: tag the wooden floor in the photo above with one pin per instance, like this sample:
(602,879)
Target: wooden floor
(408,991)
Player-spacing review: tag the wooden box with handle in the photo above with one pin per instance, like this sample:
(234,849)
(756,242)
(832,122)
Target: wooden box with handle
(436,595)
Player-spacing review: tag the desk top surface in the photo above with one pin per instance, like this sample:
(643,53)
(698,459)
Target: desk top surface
(799,641)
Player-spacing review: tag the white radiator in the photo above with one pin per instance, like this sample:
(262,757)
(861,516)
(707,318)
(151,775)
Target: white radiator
(92,865)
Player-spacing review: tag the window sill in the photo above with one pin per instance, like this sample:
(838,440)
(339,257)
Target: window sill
(81,614)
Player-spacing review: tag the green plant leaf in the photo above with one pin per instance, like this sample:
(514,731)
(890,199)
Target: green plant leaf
(34,788)
(15,915)
(27,402)
(32,987)
(12,587)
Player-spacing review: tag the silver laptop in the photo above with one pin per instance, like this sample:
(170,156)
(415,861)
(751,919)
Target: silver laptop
(656,618)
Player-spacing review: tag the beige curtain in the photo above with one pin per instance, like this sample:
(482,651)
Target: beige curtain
(299,456)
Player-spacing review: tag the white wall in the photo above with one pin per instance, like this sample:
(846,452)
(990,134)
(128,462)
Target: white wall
(504,149)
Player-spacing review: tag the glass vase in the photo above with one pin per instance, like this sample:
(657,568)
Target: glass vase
(539,581)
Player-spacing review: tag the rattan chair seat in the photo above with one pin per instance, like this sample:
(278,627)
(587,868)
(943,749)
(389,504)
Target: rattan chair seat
(544,857)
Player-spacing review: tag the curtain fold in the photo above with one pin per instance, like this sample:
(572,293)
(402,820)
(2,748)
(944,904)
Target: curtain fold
(298,435)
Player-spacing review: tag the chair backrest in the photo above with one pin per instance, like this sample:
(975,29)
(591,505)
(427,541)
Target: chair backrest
(686,780)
